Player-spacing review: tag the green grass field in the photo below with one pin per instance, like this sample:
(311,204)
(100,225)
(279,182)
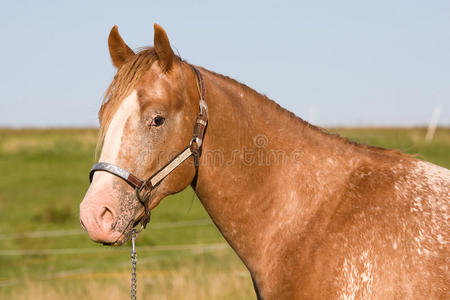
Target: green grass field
(45,255)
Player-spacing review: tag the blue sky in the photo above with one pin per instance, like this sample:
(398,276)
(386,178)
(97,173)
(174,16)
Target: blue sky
(352,62)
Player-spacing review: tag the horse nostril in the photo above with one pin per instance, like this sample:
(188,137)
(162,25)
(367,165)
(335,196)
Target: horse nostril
(106,217)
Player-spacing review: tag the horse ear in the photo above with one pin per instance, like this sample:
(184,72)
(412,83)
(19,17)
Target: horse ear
(162,48)
(118,50)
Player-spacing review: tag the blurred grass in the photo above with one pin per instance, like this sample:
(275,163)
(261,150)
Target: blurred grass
(407,140)
(43,178)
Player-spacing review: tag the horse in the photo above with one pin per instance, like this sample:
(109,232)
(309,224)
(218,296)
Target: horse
(310,214)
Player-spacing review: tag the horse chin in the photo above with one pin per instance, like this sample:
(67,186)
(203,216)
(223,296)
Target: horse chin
(123,238)
(126,233)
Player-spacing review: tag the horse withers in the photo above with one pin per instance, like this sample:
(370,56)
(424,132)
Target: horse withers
(311,215)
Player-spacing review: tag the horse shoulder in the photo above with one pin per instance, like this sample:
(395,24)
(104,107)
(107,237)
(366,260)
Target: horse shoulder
(389,221)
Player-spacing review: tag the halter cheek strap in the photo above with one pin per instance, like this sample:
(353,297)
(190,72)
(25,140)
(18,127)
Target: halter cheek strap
(143,188)
(118,171)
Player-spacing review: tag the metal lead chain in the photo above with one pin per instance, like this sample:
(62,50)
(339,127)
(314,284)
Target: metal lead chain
(133,264)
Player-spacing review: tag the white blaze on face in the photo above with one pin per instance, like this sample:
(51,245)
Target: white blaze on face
(101,206)
(113,138)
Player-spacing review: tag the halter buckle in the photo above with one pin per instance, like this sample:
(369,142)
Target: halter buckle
(203,106)
(197,140)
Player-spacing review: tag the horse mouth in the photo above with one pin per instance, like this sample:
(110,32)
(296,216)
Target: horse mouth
(126,233)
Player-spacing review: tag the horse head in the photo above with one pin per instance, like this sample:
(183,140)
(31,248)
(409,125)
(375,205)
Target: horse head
(147,117)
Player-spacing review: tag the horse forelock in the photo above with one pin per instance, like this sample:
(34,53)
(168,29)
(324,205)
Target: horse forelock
(126,78)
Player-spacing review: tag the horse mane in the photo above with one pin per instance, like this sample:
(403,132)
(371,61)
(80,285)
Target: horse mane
(127,76)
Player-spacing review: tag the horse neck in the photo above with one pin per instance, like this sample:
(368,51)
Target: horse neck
(255,154)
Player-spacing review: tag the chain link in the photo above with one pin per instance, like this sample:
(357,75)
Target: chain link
(133,264)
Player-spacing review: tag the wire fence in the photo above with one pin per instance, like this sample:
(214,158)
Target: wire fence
(191,249)
(65,251)
(68,232)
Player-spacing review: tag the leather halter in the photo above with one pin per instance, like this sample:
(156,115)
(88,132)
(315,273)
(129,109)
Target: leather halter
(144,187)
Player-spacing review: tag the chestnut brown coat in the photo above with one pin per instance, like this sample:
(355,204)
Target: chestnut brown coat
(311,215)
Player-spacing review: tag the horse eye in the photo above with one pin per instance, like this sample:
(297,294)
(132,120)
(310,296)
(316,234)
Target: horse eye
(158,121)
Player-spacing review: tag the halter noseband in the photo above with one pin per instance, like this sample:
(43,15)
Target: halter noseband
(144,187)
